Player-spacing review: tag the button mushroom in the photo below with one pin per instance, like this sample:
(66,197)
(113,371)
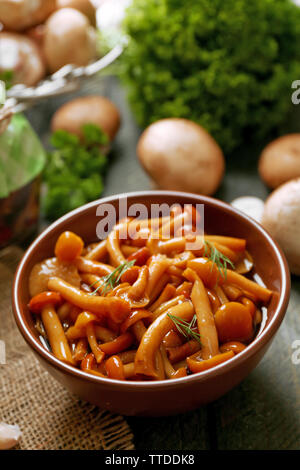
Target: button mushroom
(69,39)
(9,435)
(280,160)
(179,154)
(251,205)
(20,55)
(21,14)
(281,217)
(87,109)
(85,6)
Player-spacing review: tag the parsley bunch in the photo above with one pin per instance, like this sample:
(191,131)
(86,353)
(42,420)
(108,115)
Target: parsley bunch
(74,172)
(227,65)
(7,77)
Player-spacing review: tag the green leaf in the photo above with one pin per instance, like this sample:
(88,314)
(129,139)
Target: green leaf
(7,77)
(75,170)
(61,139)
(217,258)
(93,135)
(187,329)
(112,280)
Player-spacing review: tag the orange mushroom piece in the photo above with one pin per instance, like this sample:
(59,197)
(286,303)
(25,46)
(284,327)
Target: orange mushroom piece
(210,275)
(234,322)
(81,350)
(130,275)
(178,353)
(39,301)
(140,256)
(45,304)
(115,307)
(181,372)
(78,330)
(234,346)
(114,368)
(121,343)
(135,316)
(151,340)
(68,247)
(250,305)
(88,364)
(199,366)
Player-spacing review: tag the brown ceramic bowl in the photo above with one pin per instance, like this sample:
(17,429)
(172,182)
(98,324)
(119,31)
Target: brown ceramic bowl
(160,397)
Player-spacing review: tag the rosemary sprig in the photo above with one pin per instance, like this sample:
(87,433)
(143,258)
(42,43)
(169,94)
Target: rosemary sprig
(111,280)
(186,328)
(217,258)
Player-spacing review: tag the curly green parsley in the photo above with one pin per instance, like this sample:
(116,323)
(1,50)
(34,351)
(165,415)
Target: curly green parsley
(228,65)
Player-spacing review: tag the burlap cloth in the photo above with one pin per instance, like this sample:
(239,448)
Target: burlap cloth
(48,415)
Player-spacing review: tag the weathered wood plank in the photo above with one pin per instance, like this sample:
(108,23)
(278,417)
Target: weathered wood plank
(264,411)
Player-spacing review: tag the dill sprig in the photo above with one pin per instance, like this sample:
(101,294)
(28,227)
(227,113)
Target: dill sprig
(186,328)
(111,280)
(216,257)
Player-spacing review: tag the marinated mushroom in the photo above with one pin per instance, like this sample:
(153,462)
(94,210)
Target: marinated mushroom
(281,218)
(280,160)
(93,109)
(20,55)
(21,14)
(85,6)
(179,154)
(69,39)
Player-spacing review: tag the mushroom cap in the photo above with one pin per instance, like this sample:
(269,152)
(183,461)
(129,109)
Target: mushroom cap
(281,217)
(9,435)
(93,109)
(179,154)
(250,205)
(85,6)
(21,55)
(280,160)
(22,14)
(69,39)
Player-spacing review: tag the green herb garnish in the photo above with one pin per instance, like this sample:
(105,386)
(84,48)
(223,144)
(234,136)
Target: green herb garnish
(217,258)
(186,328)
(74,172)
(111,280)
(7,77)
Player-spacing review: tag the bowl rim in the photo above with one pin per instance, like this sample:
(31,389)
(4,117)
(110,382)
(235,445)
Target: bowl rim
(259,342)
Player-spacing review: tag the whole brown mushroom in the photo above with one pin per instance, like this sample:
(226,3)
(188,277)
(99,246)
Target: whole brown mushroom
(280,160)
(20,55)
(281,217)
(69,39)
(93,109)
(9,435)
(85,6)
(22,14)
(179,154)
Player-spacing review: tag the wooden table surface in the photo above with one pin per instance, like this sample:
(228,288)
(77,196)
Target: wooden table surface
(263,412)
